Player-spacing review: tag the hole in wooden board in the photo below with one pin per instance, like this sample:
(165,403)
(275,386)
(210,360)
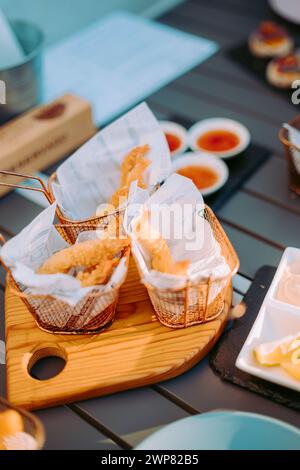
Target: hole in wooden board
(46,362)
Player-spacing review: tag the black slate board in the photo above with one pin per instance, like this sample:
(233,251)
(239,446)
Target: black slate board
(240,167)
(257,66)
(224,355)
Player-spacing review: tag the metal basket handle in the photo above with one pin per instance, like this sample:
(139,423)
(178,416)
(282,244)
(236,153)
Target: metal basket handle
(43,188)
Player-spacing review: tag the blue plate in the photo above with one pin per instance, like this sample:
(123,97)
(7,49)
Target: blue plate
(225,430)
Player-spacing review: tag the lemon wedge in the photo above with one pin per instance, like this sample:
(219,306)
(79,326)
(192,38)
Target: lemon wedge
(292,369)
(295,358)
(284,352)
(276,352)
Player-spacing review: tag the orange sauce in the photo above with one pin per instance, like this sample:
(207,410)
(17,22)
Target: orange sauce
(218,140)
(173,140)
(202,176)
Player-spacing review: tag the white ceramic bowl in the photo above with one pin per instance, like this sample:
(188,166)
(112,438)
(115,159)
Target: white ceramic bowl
(177,130)
(288,9)
(201,127)
(204,159)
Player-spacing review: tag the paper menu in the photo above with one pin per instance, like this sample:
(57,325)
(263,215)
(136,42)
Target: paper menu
(91,175)
(119,61)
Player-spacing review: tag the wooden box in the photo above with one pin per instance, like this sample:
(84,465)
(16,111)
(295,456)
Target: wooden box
(44,135)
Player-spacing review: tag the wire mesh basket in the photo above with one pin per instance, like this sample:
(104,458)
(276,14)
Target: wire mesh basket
(92,314)
(68,229)
(73,228)
(199,302)
(292,155)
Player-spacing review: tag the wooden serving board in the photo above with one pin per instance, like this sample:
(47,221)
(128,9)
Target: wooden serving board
(135,351)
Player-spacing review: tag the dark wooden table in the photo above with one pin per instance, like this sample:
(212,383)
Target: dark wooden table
(261,219)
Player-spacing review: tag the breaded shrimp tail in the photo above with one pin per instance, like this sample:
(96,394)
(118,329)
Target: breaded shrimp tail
(134,165)
(132,169)
(88,253)
(161,259)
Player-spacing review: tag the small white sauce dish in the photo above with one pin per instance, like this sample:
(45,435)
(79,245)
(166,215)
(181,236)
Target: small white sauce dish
(204,159)
(213,124)
(170,127)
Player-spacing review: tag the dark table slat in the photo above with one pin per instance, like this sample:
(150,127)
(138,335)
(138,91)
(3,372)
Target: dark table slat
(205,391)
(134,414)
(271,182)
(2,380)
(264,219)
(264,108)
(17,212)
(2,277)
(246,246)
(195,108)
(256,8)
(3,273)
(261,10)
(220,66)
(231,20)
(199,28)
(65,430)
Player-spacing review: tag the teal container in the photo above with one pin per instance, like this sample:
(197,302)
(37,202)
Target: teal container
(23,81)
(224,430)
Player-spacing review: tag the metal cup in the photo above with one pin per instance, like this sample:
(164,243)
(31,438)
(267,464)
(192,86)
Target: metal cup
(22,83)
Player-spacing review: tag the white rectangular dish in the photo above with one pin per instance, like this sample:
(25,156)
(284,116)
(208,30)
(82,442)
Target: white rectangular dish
(275,320)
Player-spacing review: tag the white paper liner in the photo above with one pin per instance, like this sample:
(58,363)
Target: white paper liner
(206,261)
(92,174)
(26,252)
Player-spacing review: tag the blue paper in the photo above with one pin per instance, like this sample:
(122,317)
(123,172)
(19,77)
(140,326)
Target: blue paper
(121,60)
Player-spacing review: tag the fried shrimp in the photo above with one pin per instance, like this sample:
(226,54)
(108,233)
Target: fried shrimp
(121,193)
(134,165)
(99,274)
(98,258)
(133,168)
(161,259)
